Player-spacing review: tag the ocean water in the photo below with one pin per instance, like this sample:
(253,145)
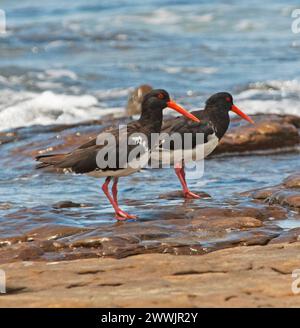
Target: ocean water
(66,61)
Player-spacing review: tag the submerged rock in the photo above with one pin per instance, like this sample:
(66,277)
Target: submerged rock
(178,195)
(68,204)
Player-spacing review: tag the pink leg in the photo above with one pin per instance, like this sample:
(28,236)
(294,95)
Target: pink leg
(114,190)
(179,170)
(115,196)
(120,215)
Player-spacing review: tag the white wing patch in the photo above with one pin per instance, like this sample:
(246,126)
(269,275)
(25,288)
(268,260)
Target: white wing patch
(200,152)
(140,141)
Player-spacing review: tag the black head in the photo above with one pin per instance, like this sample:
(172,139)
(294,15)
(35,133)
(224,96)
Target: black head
(218,107)
(156,99)
(153,104)
(221,100)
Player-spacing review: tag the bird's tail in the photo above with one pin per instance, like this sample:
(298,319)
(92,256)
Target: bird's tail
(49,160)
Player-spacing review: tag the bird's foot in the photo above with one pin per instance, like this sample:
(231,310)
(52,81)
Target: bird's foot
(190,195)
(122,216)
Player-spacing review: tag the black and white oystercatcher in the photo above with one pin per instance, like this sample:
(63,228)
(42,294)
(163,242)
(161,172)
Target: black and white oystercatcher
(86,160)
(214,122)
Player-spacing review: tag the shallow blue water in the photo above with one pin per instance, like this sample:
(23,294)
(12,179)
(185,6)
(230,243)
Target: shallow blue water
(201,46)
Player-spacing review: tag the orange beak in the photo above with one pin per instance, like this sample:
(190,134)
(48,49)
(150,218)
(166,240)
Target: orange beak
(241,114)
(182,111)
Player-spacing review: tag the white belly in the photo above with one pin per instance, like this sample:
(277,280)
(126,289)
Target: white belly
(164,157)
(133,166)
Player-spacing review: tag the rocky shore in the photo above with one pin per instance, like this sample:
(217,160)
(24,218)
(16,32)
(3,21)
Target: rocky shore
(255,218)
(256,276)
(238,252)
(117,266)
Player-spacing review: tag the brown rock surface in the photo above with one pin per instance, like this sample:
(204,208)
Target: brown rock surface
(289,236)
(292,181)
(175,230)
(286,194)
(269,132)
(240,277)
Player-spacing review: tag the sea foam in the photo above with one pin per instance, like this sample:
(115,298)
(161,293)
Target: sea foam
(278,97)
(22,108)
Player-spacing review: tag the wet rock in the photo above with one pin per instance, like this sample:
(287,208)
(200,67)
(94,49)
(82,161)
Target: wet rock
(185,228)
(53,232)
(290,236)
(221,223)
(286,198)
(226,213)
(178,195)
(261,237)
(286,194)
(7,137)
(68,204)
(292,181)
(30,253)
(274,212)
(263,194)
(176,230)
(270,132)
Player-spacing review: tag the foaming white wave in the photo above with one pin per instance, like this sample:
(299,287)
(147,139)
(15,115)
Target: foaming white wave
(165,16)
(47,80)
(59,73)
(11,80)
(274,86)
(270,106)
(278,97)
(27,108)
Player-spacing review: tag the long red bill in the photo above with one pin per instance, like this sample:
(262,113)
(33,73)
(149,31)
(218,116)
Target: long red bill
(241,114)
(182,111)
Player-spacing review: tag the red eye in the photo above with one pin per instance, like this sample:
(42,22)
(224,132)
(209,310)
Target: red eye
(160,96)
(228,99)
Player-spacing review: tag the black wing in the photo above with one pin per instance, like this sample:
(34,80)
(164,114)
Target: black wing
(184,126)
(84,159)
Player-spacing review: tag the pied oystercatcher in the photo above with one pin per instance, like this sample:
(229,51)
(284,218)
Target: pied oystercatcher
(214,122)
(85,159)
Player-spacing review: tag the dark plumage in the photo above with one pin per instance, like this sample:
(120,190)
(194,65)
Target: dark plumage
(214,122)
(86,158)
